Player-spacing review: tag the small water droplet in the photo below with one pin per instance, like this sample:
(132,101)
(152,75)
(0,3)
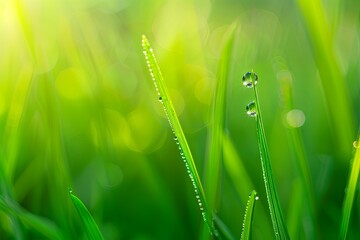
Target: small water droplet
(175,138)
(251,109)
(356,144)
(250,79)
(256,198)
(160,99)
(70,190)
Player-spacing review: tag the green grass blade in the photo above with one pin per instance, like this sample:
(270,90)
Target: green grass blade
(350,193)
(246,228)
(178,133)
(91,228)
(34,223)
(333,82)
(216,132)
(272,197)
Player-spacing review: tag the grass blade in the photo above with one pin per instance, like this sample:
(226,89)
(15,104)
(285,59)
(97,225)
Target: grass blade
(333,82)
(215,144)
(350,193)
(273,201)
(91,229)
(246,228)
(178,133)
(37,224)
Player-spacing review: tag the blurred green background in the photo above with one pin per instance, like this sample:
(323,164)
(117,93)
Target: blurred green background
(78,109)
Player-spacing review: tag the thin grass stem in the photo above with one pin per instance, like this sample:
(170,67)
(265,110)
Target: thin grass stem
(350,194)
(248,216)
(89,224)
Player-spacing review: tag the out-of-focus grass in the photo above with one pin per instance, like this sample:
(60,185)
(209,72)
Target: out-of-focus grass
(76,109)
(333,83)
(294,119)
(43,227)
(217,123)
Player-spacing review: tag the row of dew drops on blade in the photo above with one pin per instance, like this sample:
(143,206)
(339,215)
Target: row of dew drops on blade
(196,189)
(251,194)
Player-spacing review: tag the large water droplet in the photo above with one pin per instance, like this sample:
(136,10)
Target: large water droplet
(251,109)
(250,79)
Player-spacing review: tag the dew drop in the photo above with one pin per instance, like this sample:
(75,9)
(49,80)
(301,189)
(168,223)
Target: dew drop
(250,79)
(160,99)
(256,198)
(251,109)
(70,190)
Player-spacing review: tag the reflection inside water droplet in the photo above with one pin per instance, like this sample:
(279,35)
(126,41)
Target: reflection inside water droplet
(250,79)
(356,144)
(251,109)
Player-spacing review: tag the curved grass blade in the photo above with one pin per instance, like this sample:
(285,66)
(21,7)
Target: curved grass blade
(350,193)
(90,227)
(37,224)
(215,143)
(246,228)
(273,201)
(178,134)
